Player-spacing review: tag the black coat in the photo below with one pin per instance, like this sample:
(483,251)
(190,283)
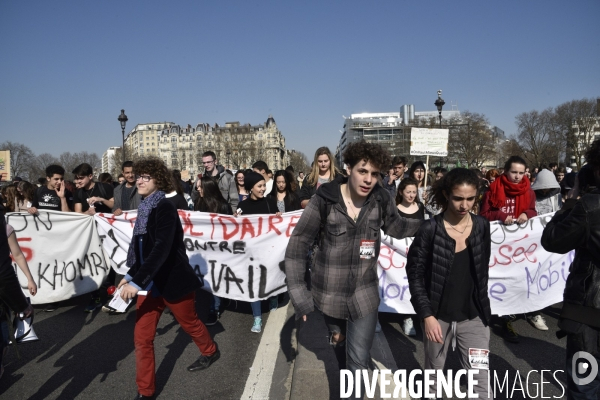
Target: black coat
(578,228)
(430,258)
(10,289)
(307,190)
(165,261)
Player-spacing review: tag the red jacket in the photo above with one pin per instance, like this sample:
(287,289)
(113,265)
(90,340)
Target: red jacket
(500,214)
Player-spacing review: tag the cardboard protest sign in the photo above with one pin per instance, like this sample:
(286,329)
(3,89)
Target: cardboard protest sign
(428,142)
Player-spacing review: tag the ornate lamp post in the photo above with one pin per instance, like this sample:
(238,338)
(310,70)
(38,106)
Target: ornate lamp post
(439,103)
(123,121)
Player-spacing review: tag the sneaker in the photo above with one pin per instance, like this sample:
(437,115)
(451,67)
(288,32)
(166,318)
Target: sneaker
(50,307)
(377,326)
(509,334)
(204,362)
(95,304)
(212,319)
(273,303)
(538,322)
(257,327)
(408,328)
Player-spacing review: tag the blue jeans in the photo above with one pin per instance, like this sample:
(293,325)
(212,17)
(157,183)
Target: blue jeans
(589,341)
(215,303)
(256,308)
(359,335)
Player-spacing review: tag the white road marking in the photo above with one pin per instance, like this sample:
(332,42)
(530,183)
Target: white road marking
(258,384)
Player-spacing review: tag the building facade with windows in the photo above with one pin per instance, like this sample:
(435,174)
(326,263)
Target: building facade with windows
(236,145)
(142,140)
(391,130)
(108,159)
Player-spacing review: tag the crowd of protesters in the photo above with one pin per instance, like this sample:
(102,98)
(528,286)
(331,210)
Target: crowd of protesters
(331,257)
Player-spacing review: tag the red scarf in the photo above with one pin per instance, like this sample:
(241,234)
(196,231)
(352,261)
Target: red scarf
(502,188)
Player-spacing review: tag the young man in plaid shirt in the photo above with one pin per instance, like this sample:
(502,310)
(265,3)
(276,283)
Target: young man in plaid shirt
(348,215)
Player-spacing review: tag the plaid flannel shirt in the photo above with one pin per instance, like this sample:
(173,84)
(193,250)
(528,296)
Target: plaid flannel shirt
(343,284)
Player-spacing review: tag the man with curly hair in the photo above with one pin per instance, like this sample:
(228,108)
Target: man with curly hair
(577,227)
(348,213)
(160,275)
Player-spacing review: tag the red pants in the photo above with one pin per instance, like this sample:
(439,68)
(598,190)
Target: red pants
(148,312)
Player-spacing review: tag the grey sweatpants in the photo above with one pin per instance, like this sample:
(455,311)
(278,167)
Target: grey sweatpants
(470,335)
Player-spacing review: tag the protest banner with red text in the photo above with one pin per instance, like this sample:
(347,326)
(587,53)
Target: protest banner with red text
(523,276)
(237,258)
(63,252)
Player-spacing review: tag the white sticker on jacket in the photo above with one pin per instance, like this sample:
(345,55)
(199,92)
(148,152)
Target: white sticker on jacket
(479,358)
(367,249)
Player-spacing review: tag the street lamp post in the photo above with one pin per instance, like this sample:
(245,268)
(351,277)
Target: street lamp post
(439,103)
(123,121)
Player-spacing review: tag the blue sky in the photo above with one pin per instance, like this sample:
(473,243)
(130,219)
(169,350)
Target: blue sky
(68,67)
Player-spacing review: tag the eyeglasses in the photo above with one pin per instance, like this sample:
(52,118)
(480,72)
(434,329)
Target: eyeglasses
(145,178)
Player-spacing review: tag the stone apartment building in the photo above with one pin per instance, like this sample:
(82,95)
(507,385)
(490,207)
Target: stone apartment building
(237,146)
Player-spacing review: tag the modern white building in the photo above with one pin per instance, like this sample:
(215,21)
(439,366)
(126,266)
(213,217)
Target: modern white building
(389,129)
(108,159)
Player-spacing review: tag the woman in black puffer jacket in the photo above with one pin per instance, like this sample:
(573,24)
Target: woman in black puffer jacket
(448,278)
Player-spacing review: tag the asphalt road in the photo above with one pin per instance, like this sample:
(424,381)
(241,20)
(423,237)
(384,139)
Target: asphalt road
(91,356)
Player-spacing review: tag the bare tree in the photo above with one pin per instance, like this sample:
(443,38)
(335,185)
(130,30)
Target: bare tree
(576,121)
(536,136)
(37,167)
(20,157)
(299,162)
(70,160)
(509,148)
(471,141)
(118,160)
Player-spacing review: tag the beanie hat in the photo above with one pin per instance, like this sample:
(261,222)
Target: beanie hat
(251,179)
(545,180)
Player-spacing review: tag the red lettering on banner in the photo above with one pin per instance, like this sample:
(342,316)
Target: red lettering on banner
(386,254)
(260,222)
(111,220)
(131,221)
(212,223)
(272,224)
(27,251)
(247,228)
(292,225)
(228,235)
(188,226)
(517,256)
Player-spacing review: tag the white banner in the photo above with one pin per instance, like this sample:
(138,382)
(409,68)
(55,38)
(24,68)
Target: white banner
(428,142)
(242,258)
(63,252)
(523,276)
(237,258)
